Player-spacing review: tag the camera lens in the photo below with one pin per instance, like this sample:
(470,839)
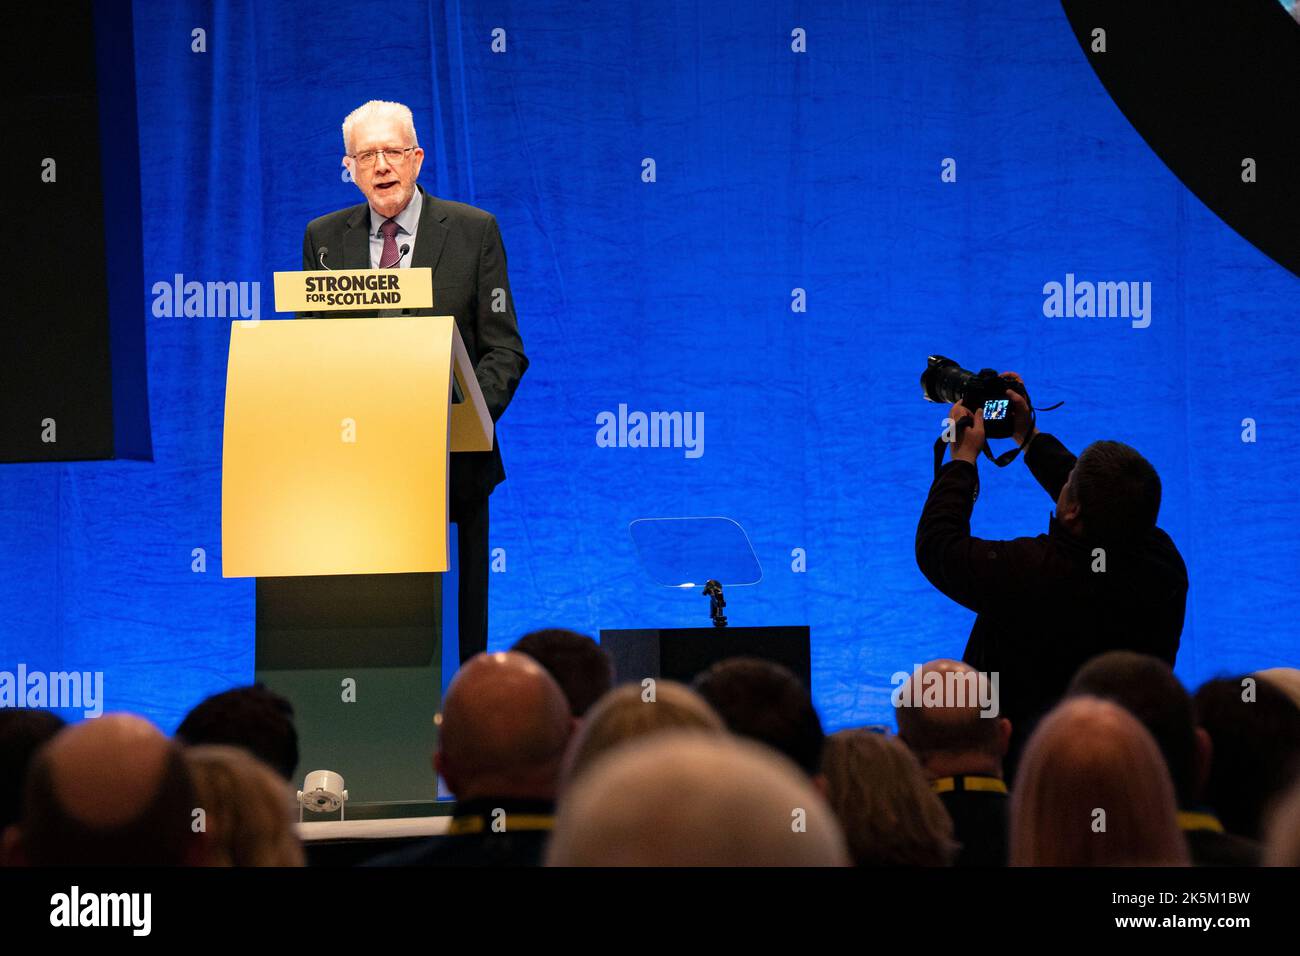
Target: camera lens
(944,380)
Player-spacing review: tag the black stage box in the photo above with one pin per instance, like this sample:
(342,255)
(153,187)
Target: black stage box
(679,653)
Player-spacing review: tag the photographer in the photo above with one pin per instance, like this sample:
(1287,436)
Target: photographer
(1102,578)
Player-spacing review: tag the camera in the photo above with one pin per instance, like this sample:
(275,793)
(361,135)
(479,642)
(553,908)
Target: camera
(946,382)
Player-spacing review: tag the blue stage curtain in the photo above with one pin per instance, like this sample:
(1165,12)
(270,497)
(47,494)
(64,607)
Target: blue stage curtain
(775,170)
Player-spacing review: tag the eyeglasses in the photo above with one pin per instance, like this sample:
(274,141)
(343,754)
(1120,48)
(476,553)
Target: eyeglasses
(393,156)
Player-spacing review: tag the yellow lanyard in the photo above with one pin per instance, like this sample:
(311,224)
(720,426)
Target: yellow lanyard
(514,822)
(1195,820)
(985,784)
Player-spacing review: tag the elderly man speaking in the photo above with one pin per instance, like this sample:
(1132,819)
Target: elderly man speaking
(401,225)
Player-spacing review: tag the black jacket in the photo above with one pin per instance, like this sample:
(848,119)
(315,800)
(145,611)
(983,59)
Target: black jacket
(1214,848)
(979,822)
(462,245)
(519,837)
(1041,609)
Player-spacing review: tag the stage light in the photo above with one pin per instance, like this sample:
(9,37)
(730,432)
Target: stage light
(323,792)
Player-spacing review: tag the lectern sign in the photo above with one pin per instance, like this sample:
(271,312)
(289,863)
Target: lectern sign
(350,289)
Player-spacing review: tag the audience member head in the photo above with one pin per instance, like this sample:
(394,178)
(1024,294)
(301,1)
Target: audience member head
(1282,846)
(369,133)
(255,718)
(685,798)
(1254,729)
(1113,493)
(884,803)
(505,725)
(1092,790)
(627,712)
(1147,688)
(949,732)
(1284,678)
(580,666)
(765,702)
(22,732)
(112,790)
(247,808)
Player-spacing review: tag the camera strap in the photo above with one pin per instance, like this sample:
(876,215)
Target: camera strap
(940,445)
(1002,460)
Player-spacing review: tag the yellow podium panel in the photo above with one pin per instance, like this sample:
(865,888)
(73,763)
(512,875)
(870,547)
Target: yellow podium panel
(336,446)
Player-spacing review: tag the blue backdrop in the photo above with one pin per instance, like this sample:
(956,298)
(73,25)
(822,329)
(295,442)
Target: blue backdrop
(775,170)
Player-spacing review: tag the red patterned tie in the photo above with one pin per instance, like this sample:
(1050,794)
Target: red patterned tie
(391,256)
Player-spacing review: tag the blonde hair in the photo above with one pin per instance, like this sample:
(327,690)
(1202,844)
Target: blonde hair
(373,110)
(1093,790)
(884,802)
(623,715)
(247,808)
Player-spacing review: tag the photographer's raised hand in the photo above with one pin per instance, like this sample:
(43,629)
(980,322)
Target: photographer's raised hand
(1052,461)
(969,440)
(1024,430)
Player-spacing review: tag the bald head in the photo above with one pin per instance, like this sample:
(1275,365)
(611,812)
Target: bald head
(947,715)
(687,798)
(505,725)
(123,751)
(109,790)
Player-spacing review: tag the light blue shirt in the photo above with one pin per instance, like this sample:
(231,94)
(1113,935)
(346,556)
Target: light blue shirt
(408,221)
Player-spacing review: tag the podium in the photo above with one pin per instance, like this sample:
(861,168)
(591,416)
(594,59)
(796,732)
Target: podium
(337,444)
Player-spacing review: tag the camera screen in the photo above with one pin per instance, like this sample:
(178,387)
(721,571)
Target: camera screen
(995,409)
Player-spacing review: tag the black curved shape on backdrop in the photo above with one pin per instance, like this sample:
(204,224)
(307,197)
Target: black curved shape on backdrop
(1207,84)
(72,303)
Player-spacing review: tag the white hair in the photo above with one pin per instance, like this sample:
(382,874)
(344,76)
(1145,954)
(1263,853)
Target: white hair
(686,798)
(373,110)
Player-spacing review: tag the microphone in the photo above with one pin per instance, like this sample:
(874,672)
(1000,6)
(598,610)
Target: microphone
(320,257)
(401,254)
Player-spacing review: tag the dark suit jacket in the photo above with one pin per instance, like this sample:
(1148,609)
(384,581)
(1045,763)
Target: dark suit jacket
(1041,610)
(1209,848)
(514,846)
(979,820)
(462,245)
